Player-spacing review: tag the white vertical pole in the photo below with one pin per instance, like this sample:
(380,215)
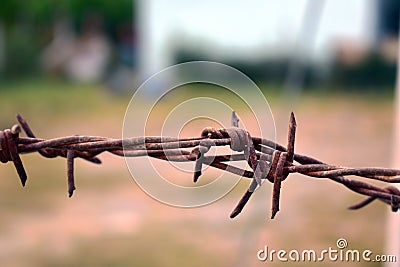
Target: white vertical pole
(152,33)
(393,230)
(145,42)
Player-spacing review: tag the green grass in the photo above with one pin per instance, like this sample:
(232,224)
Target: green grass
(52,99)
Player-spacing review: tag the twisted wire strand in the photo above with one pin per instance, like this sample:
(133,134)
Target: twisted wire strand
(268,160)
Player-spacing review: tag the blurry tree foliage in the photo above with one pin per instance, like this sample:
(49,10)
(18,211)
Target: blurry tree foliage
(27,26)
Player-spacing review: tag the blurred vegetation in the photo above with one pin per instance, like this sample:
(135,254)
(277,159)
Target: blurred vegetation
(28,26)
(264,70)
(56,98)
(372,73)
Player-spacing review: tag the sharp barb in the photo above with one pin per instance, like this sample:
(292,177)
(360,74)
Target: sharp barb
(291,138)
(14,156)
(94,160)
(196,176)
(235,120)
(362,204)
(278,177)
(239,207)
(198,167)
(70,171)
(25,126)
(394,203)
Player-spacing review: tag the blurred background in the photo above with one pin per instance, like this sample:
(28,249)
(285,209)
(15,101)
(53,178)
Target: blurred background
(71,67)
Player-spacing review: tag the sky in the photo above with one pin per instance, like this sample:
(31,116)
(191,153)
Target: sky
(249,29)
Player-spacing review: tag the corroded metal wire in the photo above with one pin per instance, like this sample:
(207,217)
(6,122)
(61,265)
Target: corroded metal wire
(267,159)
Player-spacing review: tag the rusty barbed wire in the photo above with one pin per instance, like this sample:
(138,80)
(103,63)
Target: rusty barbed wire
(267,159)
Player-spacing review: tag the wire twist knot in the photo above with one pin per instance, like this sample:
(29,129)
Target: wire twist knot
(9,150)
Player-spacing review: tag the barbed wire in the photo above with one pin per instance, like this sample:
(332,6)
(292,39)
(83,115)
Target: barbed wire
(267,159)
